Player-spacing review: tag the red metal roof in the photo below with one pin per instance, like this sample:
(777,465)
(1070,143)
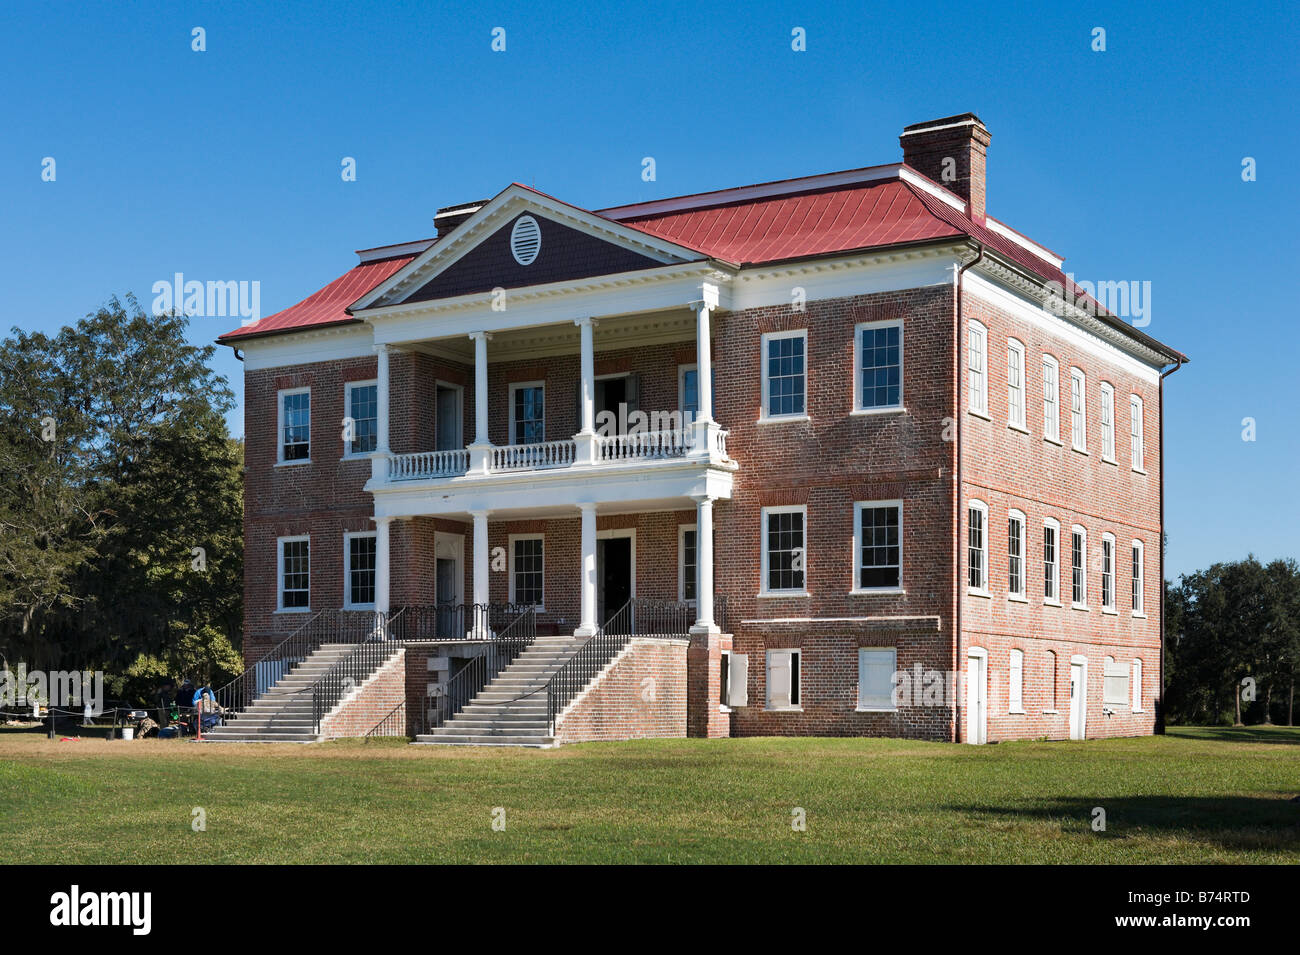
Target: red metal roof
(328,306)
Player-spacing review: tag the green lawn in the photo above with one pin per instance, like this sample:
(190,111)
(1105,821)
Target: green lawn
(1197,795)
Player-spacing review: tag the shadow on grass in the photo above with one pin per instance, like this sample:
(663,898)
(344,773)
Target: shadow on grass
(63,728)
(1231,822)
(1286,735)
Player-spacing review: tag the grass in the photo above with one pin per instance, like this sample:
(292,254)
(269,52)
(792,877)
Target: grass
(1194,796)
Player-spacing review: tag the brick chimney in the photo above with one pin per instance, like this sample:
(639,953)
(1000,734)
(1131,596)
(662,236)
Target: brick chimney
(953,152)
(448,217)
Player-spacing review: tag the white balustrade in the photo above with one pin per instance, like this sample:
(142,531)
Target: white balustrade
(527,457)
(645,445)
(429,464)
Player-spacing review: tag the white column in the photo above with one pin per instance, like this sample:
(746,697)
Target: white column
(587,625)
(704,566)
(705,426)
(379,460)
(481,448)
(585,439)
(482,565)
(382,572)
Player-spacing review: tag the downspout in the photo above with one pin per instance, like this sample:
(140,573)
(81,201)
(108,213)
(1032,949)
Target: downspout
(1160,710)
(956,550)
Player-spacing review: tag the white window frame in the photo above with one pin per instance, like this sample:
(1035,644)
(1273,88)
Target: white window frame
(1083,566)
(1108,423)
(796,666)
(510,566)
(681,389)
(279,426)
(514,387)
(889,705)
(1135,686)
(347,569)
(1079,417)
(279,573)
(766,383)
(348,388)
(857,548)
(1016,393)
(1138,592)
(1055,599)
(1016,681)
(1052,400)
(682,530)
(1022,595)
(977,388)
(763,590)
(983,589)
(1108,573)
(1137,452)
(858,406)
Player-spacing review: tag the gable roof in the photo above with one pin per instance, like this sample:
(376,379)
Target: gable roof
(856,210)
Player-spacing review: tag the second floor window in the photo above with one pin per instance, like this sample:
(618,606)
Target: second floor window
(1078,567)
(1107,572)
(1016,554)
(977,547)
(785,374)
(783,549)
(363,410)
(1135,431)
(978,362)
(880,366)
(879,545)
(1051,561)
(1137,578)
(528,413)
(295,425)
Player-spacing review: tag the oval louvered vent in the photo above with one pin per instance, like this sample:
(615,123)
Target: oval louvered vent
(525,240)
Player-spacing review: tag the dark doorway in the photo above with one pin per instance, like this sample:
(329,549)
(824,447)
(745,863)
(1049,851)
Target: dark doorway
(613,582)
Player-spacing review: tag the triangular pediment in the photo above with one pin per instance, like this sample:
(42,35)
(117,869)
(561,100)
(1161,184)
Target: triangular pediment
(494,249)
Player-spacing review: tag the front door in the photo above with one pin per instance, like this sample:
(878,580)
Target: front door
(977,699)
(613,581)
(1078,700)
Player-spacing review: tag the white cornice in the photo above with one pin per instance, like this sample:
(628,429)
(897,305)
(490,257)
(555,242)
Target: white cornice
(1044,253)
(924,184)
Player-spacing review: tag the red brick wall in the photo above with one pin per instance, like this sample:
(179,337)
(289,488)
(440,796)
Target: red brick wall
(641,696)
(381,693)
(1008,469)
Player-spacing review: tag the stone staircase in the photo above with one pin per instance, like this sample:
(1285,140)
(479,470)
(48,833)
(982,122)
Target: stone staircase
(497,716)
(283,714)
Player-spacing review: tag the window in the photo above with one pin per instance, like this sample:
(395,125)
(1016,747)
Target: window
(1107,422)
(1108,572)
(359,571)
(978,362)
(362,403)
(1078,567)
(1078,420)
(1016,682)
(724,679)
(1115,684)
(526,571)
(528,413)
(1135,432)
(1016,554)
(878,545)
(977,546)
(688,391)
(1136,686)
(1015,384)
(783,549)
(876,669)
(783,679)
(1051,399)
(1051,561)
(295,573)
(295,425)
(686,563)
(1138,574)
(1054,676)
(784,378)
(880,366)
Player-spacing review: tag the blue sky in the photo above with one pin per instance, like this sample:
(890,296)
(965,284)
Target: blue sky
(225,164)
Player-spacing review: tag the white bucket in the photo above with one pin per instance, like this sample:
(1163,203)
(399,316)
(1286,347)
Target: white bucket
(128,732)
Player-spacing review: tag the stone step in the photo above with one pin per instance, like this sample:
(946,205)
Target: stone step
(531,742)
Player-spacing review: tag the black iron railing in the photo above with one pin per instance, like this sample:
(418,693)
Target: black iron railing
(348,674)
(394,724)
(479,671)
(447,621)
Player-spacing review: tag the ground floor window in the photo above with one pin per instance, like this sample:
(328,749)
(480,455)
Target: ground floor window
(876,669)
(783,689)
(359,552)
(295,573)
(526,565)
(687,564)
